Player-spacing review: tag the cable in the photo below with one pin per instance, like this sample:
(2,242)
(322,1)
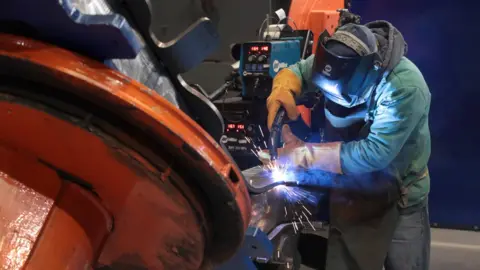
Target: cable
(260,33)
(289,19)
(263,23)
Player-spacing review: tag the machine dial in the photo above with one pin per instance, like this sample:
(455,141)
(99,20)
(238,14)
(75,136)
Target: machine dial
(262,58)
(252,58)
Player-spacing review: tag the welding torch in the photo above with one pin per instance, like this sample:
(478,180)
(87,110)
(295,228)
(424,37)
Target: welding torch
(309,100)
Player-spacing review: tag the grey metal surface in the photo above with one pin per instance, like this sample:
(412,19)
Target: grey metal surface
(209,75)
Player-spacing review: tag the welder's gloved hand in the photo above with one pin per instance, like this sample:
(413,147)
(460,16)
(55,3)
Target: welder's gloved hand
(290,143)
(318,156)
(286,86)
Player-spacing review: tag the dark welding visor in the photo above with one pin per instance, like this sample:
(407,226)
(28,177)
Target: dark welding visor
(347,81)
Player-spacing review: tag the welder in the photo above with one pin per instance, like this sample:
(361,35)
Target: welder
(376,137)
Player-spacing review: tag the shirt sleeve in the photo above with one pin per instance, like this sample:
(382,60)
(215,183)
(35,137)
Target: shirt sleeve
(395,117)
(303,69)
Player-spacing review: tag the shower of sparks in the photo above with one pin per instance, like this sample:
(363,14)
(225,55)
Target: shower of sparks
(295,197)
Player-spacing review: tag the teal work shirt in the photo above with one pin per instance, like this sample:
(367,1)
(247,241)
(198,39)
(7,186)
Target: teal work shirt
(399,136)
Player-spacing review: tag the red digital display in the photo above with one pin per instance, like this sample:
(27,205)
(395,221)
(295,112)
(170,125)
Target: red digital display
(254,49)
(264,49)
(233,126)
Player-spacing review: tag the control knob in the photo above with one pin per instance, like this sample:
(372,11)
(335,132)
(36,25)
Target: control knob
(252,58)
(262,58)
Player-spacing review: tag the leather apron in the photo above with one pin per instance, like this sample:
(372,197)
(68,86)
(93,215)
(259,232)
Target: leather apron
(363,208)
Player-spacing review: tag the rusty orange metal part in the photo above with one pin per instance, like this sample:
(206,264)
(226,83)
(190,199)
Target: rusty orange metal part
(316,15)
(98,170)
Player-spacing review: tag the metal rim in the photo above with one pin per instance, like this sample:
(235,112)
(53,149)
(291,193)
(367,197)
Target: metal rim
(172,131)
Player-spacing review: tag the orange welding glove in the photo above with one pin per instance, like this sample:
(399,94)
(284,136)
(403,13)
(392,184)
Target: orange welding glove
(297,153)
(286,86)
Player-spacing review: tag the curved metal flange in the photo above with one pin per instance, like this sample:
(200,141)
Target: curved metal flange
(178,56)
(102,36)
(169,130)
(202,109)
(185,51)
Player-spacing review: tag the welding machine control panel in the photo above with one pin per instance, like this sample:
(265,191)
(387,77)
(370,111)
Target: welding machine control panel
(261,61)
(241,138)
(256,59)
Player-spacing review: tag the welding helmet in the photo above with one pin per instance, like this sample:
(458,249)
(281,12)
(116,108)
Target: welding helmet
(347,79)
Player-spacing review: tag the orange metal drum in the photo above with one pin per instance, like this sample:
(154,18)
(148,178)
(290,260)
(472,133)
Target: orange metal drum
(98,171)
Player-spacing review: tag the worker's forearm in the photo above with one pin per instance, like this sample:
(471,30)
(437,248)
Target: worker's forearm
(364,156)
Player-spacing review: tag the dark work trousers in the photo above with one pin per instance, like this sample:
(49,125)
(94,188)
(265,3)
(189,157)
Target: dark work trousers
(410,248)
(392,238)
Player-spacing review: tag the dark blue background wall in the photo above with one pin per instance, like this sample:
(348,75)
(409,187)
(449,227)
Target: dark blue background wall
(444,42)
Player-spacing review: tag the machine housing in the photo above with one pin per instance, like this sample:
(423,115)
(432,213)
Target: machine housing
(261,61)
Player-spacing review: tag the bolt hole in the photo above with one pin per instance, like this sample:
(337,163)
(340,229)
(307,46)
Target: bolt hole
(233,176)
(254,247)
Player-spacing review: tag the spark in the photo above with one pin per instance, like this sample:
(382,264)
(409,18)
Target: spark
(308,220)
(306,209)
(261,131)
(256,231)
(300,218)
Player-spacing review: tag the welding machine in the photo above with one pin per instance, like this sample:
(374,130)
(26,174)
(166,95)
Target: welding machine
(261,61)
(245,115)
